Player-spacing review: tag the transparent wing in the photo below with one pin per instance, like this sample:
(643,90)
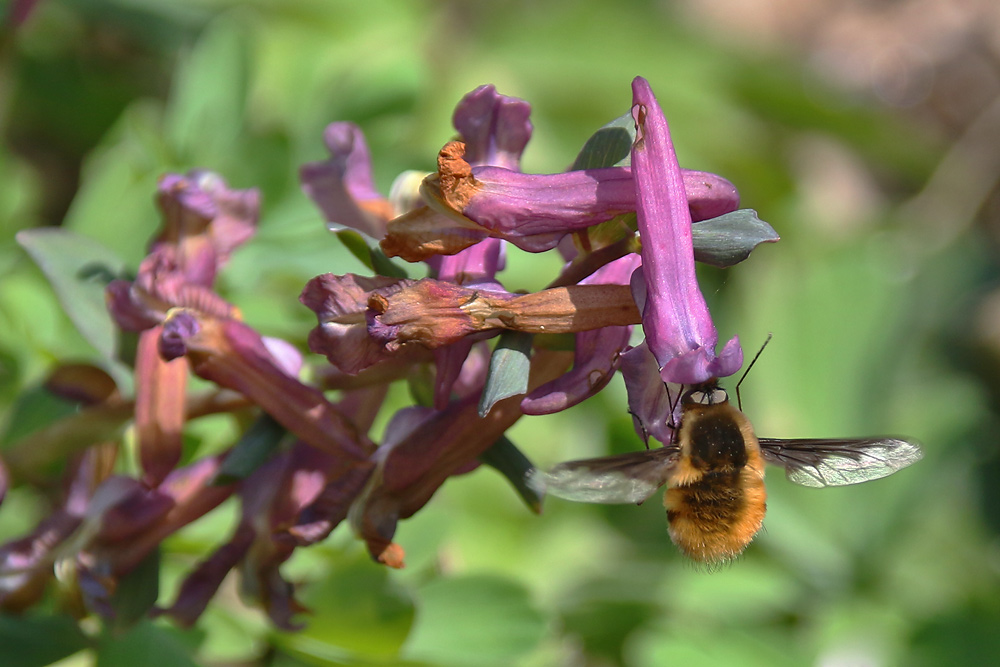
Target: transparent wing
(625,478)
(832,462)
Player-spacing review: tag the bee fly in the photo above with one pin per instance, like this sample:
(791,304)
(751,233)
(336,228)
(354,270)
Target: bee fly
(714,473)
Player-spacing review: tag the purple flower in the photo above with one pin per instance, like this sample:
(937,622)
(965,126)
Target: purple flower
(532,211)
(343,187)
(233,355)
(161,392)
(340,304)
(314,465)
(26,563)
(424,447)
(654,411)
(679,329)
(295,499)
(495,129)
(203,222)
(596,355)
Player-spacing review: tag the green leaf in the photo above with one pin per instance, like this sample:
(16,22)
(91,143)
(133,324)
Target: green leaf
(610,146)
(385,266)
(146,644)
(76,267)
(254,448)
(355,242)
(34,409)
(367,251)
(357,610)
(205,119)
(509,367)
(474,620)
(36,641)
(137,592)
(729,239)
(505,457)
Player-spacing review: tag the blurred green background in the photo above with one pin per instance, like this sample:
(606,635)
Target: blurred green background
(868,136)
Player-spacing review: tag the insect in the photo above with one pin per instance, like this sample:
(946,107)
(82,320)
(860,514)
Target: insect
(714,473)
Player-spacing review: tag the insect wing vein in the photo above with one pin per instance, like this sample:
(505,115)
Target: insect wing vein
(828,462)
(626,478)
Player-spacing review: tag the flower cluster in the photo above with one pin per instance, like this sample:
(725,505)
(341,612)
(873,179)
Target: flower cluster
(629,224)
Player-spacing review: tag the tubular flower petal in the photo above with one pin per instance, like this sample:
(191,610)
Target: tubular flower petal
(343,186)
(160,286)
(185,495)
(203,222)
(494,127)
(679,329)
(653,413)
(201,585)
(436,313)
(234,356)
(473,267)
(161,387)
(532,211)
(26,563)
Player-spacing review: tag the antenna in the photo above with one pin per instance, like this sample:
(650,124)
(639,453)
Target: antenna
(739,401)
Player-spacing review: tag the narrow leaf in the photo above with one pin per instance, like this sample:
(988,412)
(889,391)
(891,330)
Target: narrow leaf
(367,251)
(137,592)
(385,266)
(506,458)
(355,243)
(509,366)
(257,445)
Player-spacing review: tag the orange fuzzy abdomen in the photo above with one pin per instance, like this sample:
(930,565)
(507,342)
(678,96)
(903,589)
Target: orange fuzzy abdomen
(714,518)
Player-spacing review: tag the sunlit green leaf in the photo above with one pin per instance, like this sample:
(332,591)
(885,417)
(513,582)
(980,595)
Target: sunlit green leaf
(385,266)
(357,610)
(74,266)
(355,242)
(367,251)
(474,620)
(206,111)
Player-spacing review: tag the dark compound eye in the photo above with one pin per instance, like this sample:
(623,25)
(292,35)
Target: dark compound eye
(706,396)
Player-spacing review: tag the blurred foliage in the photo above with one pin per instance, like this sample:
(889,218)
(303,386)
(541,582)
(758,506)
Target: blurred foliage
(874,295)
